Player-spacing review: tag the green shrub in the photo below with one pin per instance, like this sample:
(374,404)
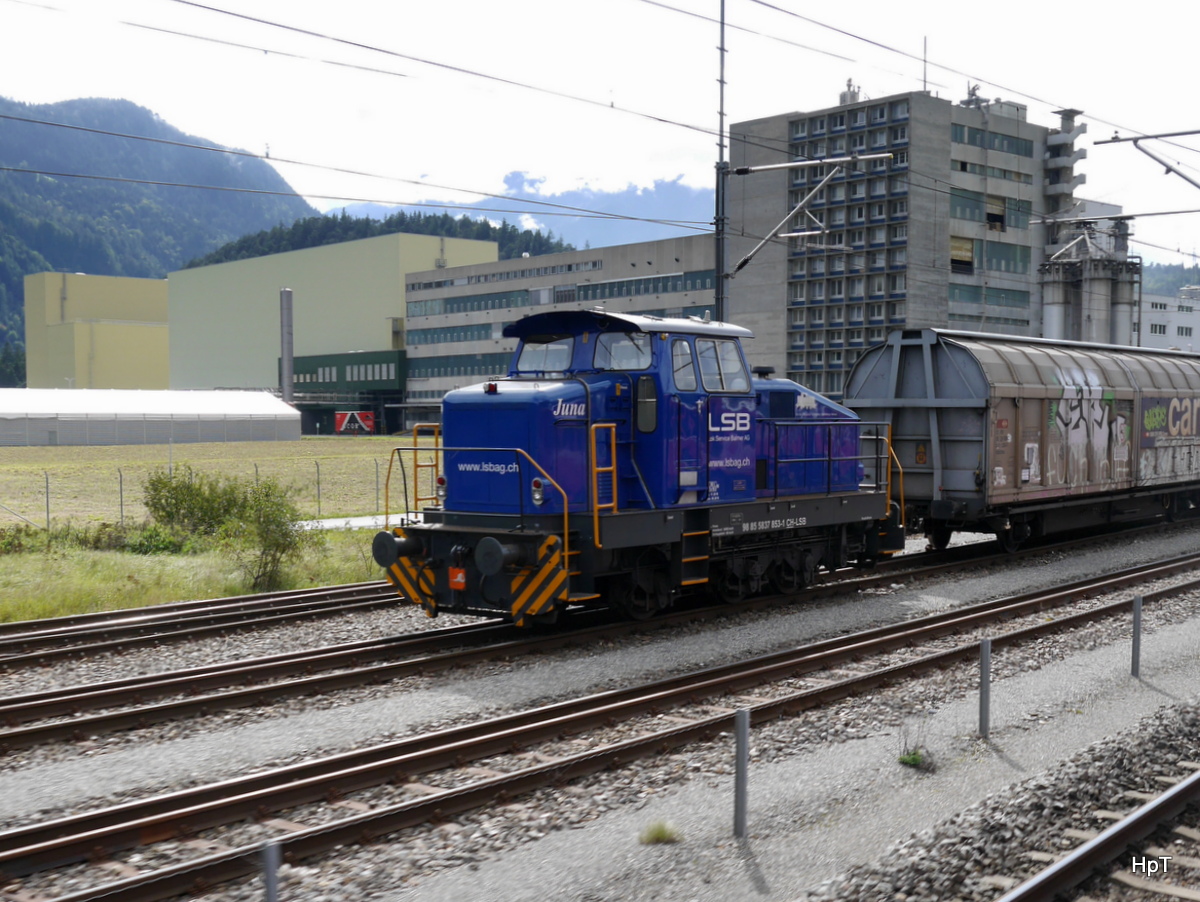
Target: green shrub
(268,533)
(153,538)
(255,523)
(192,502)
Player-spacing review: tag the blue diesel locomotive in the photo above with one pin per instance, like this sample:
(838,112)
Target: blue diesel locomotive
(626,460)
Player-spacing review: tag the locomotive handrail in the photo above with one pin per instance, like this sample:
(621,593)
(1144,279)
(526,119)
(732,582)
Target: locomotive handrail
(436,430)
(412,504)
(828,459)
(566,501)
(597,470)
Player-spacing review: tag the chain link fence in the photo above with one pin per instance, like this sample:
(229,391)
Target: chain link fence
(321,488)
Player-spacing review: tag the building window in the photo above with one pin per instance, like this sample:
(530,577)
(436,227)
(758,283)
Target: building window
(1158,328)
(1184,331)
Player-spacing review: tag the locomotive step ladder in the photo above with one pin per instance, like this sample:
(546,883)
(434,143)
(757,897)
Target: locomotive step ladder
(694,549)
(572,572)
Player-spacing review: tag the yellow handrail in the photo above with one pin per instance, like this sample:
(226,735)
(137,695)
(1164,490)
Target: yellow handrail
(415,501)
(566,502)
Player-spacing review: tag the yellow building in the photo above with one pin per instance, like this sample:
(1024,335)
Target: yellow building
(95,332)
(224,318)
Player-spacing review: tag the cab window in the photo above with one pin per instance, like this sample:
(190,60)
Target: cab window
(542,354)
(682,366)
(622,351)
(721,366)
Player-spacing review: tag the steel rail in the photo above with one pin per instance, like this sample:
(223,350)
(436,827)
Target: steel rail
(124,826)
(100,618)
(1095,854)
(43,646)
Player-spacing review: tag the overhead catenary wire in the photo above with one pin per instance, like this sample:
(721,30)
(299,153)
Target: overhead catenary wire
(361,45)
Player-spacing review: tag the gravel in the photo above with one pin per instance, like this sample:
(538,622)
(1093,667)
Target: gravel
(826,791)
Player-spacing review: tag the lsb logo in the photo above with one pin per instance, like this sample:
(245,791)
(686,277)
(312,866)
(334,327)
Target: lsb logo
(730,422)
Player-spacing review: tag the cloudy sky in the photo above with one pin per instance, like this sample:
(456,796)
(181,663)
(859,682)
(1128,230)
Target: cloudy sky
(441,101)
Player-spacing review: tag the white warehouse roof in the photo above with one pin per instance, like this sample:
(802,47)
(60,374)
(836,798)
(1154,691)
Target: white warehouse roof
(54,416)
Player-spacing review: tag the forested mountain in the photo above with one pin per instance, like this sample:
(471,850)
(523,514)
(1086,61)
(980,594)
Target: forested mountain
(76,200)
(315,231)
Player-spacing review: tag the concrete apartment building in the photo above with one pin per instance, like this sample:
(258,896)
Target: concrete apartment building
(949,232)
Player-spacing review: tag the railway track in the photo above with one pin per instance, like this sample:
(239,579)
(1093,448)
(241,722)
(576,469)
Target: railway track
(580,733)
(73,713)
(25,643)
(1105,852)
(42,641)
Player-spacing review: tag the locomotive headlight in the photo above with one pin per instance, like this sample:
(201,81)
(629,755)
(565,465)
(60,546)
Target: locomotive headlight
(537,491)
(440,488)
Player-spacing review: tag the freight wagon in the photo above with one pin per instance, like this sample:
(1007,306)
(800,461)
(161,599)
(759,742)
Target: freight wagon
(1023,437)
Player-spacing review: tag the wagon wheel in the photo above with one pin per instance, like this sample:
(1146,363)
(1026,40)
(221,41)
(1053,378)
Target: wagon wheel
(1009,540)
(940,533)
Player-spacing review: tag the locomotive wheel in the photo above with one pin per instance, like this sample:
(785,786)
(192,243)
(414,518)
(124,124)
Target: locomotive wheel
(731,588)
(792,573)
(645,591)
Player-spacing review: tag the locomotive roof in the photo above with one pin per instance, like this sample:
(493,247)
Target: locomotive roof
(599,320)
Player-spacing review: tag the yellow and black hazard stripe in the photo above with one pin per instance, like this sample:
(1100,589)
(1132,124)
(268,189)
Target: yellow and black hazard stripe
(536,588)
(414,580)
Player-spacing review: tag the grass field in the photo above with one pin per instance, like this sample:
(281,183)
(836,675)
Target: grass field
(85,489)
(85,482)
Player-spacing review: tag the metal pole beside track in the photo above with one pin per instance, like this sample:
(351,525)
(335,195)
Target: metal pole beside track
(1136,666)
(985,686)
(271,860)
(741,725)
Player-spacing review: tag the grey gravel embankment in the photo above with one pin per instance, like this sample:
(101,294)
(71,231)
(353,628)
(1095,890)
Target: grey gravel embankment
(818,802)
